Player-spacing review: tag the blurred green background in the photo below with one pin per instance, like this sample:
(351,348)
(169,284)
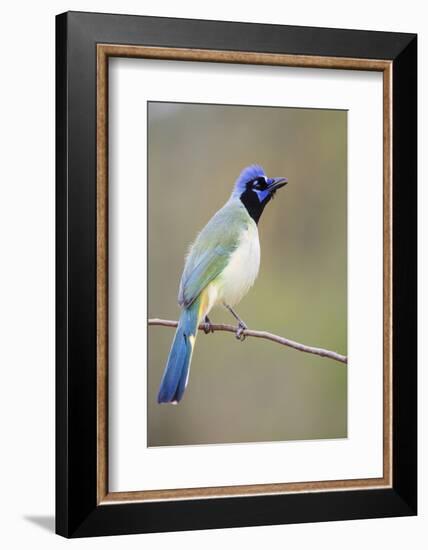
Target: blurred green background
(256,390)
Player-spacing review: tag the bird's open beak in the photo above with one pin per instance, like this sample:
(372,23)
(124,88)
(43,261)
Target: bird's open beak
(277,183)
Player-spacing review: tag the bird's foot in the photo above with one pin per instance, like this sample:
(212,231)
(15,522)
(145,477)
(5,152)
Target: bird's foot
(240,331)
(241,325)
(208,327)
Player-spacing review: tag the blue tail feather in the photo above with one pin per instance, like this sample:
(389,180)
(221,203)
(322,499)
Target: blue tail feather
(174,379)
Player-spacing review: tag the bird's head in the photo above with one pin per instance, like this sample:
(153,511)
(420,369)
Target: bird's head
(255,189)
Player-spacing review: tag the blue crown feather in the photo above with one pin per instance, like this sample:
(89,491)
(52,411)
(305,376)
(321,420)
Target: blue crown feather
(249,173)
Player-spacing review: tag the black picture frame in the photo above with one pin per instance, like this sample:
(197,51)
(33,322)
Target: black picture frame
(77,512)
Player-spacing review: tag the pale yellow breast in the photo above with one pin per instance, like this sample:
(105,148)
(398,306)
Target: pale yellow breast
(239,275)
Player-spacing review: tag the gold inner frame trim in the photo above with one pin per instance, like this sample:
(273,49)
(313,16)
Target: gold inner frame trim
(104,51)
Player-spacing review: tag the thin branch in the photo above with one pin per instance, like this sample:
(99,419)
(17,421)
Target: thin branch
(262,334)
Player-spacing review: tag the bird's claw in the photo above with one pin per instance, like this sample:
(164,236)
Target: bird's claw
(208,327)
(240,331)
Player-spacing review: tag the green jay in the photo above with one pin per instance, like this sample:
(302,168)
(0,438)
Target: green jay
(220,268)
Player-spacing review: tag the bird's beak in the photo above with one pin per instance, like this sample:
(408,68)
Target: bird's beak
(277,183)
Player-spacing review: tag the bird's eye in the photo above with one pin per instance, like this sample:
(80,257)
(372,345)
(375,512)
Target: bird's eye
(259,183)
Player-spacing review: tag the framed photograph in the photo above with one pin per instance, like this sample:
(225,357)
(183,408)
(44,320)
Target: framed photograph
(236,274)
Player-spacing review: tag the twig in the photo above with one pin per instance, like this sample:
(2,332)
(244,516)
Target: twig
(262,334)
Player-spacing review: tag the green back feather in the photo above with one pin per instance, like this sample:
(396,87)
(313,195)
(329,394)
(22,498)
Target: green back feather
(210,252)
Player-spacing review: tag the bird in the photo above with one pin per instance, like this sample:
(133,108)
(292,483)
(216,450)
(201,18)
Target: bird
(221,266)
